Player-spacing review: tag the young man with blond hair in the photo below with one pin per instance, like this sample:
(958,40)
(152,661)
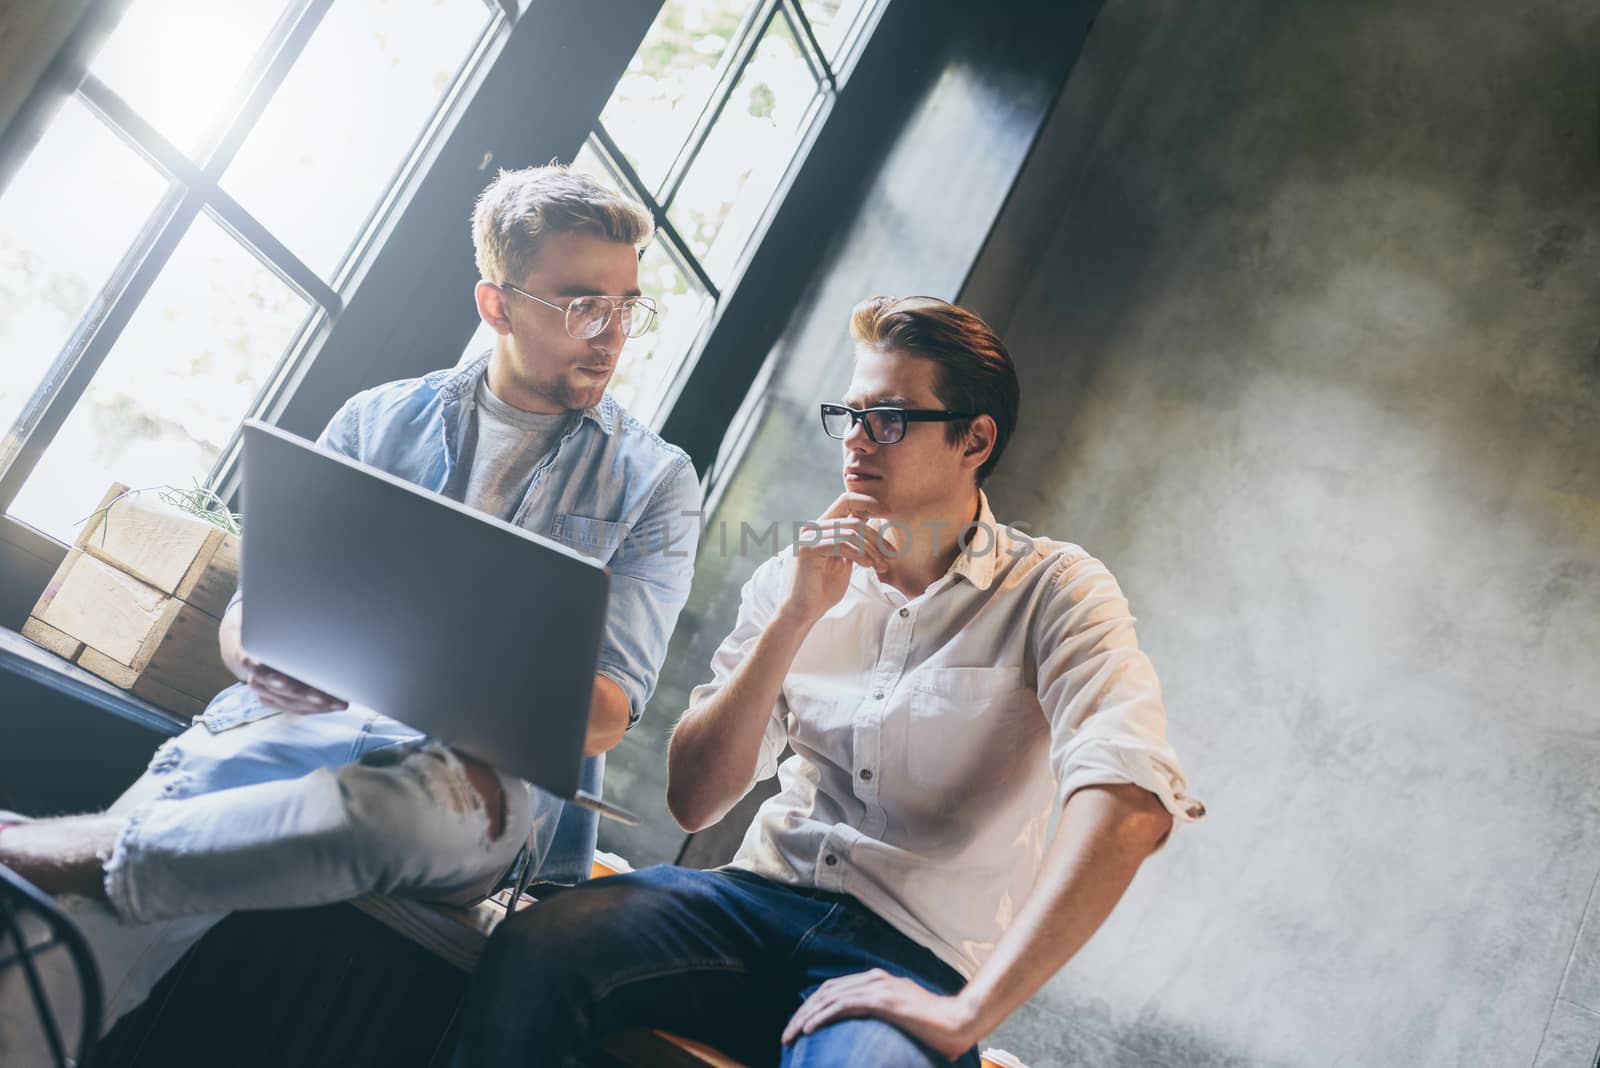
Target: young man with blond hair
(281,796)
(946,685)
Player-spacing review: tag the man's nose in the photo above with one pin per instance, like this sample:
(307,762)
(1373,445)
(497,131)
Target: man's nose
(856,438)
(611,339)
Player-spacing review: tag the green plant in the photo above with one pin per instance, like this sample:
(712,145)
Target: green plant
(197,501)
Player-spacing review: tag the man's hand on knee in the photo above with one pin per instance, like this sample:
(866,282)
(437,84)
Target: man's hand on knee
(939,1021)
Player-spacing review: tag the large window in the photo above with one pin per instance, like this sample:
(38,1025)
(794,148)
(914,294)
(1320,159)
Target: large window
(702,128)
(189,219)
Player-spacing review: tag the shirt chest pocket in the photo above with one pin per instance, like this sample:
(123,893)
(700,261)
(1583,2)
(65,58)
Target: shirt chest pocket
(594,538)
(966,725)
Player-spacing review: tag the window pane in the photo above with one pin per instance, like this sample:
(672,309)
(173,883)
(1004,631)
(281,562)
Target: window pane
(172,391)
(727,189)
(68,216)
(177,62)
(831,23)
(668,82)
(589,162)
(649,362)
(326,149)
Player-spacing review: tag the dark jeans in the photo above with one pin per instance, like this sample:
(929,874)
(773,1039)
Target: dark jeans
(720,957)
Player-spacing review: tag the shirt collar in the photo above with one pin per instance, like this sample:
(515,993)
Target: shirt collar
(605,413)
(978,565)
(464,382)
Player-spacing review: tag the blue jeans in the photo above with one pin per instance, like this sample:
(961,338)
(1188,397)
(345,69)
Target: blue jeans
(721,957)
(250,809)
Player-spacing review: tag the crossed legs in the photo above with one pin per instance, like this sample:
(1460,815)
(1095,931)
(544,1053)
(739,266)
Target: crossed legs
(720,957)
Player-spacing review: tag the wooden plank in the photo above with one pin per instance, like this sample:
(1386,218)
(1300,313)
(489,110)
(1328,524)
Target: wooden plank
(213,576)
(41,633)
(102,607)
(182,652)
(175,701)
(53,587)
(92,525)
(454,935)
(646,1048)
(121,675)
(157,635)
(113,671)
(149,539)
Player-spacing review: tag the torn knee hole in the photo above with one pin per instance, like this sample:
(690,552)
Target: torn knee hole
(490,796)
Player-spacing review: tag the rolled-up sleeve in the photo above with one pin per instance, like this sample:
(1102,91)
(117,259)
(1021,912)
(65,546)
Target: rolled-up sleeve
(650,577)
(758,601)
(1100,692)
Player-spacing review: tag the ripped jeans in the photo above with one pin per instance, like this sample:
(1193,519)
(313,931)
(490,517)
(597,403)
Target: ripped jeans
(251,809)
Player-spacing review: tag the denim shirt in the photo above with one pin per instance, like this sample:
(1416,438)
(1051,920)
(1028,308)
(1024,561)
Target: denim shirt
(610,489)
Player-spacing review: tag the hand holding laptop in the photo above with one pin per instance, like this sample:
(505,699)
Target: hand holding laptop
(277,689)
(285,692)
(470,655)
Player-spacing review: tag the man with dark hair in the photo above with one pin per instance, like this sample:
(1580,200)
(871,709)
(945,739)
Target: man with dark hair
(281,796)
(943,699)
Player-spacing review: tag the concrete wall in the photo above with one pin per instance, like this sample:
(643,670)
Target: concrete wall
(1303,299)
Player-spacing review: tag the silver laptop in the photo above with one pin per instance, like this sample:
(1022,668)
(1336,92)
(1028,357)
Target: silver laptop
(471,630)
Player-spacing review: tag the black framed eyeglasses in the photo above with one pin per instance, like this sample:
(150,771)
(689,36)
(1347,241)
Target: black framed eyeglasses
(587,316)
(885,426)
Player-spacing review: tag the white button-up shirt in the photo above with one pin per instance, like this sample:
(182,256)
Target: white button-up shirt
(934,737)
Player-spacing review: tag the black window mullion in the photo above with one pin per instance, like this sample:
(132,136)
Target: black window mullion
(800,26)
(148,141)
(98,331)
(684,258)
(101,326)
(274,254)
(138,134)
(224,475)
(686,262)
(267,71)
(612,156)
(743,50)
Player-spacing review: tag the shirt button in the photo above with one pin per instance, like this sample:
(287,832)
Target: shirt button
(877,695)
(904,612)
(866,774)
(830,860)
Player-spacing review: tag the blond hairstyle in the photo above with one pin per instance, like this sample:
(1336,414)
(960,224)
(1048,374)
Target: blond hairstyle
(516,211)
(975,370)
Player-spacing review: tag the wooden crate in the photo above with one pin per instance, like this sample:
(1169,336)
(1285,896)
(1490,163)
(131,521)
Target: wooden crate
(163,547)
(139,599)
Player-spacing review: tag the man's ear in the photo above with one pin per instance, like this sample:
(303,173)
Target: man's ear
(492,307)
(980,440)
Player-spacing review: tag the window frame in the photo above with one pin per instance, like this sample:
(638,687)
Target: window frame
(193,188)
(829,74)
